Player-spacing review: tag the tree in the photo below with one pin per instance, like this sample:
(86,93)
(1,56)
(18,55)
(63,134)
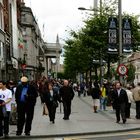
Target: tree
(131,73)
(91,41)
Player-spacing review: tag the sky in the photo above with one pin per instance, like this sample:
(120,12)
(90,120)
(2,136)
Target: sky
(59,16)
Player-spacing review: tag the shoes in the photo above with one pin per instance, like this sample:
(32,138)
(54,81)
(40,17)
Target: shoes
(124,121)
(53,121)
(1,135)
(27,134)
(65,118)
(18,134)
(6,136)
(137,117)
(117,121)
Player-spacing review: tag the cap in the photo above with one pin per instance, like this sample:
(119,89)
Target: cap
(24,79)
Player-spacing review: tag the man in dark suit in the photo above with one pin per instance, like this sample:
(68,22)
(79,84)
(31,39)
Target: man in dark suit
(25,98)
(67,94)
(120,100)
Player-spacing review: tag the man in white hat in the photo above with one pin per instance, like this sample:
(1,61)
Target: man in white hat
(26,99)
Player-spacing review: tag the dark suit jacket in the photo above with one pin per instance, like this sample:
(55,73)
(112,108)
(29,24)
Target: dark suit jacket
(66,93)
(51,100)
(31,95)
(121,99)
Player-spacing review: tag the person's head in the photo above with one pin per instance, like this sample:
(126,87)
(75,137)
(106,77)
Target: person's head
(118,85)
(66,82)
(2,84)
(96,85)
(50,87)
(24,80)
(11,83)
(128,86)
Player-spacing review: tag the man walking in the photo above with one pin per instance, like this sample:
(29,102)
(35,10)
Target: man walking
(67,94)
(5,105)
(25,98)
(120,100)
(136,96)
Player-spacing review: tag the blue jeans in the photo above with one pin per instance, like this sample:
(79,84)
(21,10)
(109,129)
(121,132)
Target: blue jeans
(4,124)
(103,102)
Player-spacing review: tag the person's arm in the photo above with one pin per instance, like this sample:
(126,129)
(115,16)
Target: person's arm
(7,101)
(9,98)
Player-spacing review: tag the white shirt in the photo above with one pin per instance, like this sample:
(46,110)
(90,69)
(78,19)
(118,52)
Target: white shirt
(51,92)
(130,96)
(5,95)
(118,90)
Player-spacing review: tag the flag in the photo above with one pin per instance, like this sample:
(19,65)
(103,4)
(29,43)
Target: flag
(20,43)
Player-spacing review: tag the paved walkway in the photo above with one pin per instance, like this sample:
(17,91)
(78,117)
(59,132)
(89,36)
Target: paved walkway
(82,121)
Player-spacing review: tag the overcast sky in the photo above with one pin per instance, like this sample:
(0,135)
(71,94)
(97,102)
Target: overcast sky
(61,15)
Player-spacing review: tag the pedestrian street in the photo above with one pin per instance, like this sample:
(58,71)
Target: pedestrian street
(82,121)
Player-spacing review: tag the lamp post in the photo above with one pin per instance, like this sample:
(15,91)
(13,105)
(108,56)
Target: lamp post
(120,33)
(101,58)
(95,12)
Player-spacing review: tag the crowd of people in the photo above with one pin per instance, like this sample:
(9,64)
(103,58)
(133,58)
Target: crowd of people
(22,98)
(120,98)
(17,101)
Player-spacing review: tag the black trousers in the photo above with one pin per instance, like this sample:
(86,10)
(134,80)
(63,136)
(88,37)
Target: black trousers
(127,110)
(25,117)
(120,110)
(67,109)
(4,124)
(52,112)
(138,109)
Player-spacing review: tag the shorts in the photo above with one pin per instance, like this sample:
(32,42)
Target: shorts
(96,102)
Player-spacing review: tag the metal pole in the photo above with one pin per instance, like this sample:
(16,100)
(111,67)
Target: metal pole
(120,33)
(101,58)
(95,6)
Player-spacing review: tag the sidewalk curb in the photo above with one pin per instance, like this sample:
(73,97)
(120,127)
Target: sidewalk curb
(72,134)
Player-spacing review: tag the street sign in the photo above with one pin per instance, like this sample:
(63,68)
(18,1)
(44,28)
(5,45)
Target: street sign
(122,70)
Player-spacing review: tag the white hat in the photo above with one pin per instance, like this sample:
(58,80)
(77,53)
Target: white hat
(24,79)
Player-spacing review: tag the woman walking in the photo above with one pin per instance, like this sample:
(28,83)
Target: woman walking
(51,98)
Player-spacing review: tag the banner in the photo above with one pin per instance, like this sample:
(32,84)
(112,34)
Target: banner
(127,38)
(112,35)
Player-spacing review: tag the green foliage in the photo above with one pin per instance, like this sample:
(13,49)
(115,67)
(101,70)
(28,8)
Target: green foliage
(60,75)
(131,73)
(91,41)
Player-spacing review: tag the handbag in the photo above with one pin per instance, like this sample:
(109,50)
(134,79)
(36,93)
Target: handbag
(55,103)
(45,110)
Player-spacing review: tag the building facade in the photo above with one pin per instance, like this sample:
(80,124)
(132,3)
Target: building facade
(2,41)
(32,43)
(22,49)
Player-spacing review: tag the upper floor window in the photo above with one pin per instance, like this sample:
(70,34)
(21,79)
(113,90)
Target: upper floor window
(1,17)
(1,49)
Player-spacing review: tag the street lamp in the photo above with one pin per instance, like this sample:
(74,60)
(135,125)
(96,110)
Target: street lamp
(101,59)
(120,33)
(83,8)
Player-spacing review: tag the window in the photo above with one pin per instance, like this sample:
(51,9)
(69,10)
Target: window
(1,16)
(1,49)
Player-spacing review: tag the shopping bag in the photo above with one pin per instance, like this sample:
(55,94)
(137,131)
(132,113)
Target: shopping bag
(45,110)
